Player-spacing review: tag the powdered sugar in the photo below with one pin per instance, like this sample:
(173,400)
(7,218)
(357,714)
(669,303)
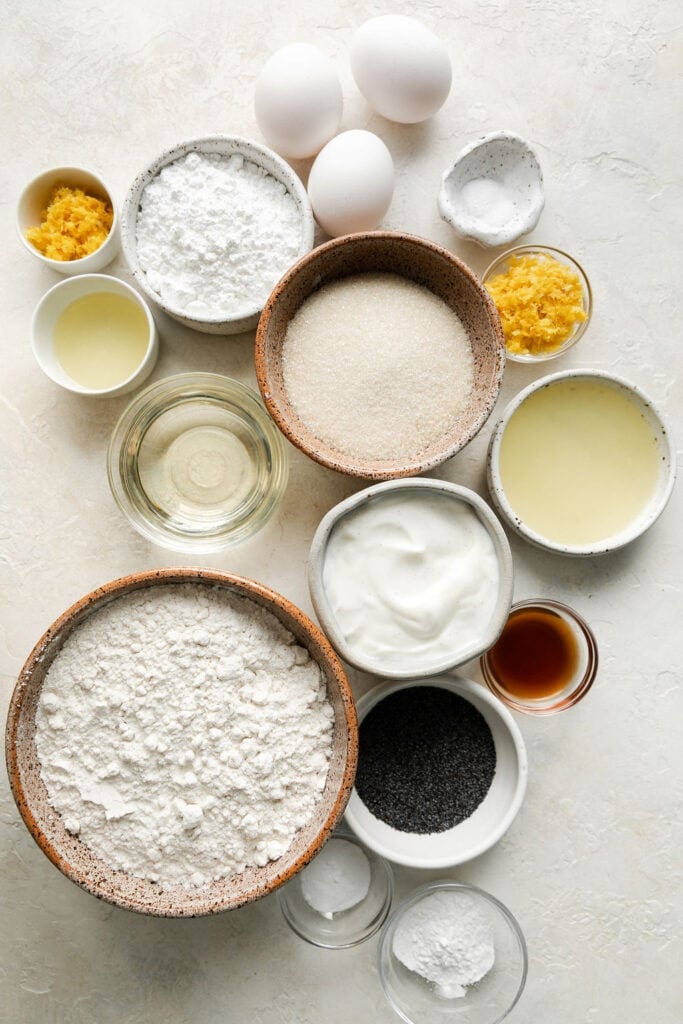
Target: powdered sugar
(448,939)
(215,233)
(183,734)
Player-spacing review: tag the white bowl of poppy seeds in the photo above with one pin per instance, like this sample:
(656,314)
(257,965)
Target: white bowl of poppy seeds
(442,772)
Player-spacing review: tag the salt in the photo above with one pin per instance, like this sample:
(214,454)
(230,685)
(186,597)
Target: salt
(377,366)
(338,879)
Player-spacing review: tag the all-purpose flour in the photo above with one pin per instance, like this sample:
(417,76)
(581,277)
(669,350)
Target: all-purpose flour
(215,234)
(183,734)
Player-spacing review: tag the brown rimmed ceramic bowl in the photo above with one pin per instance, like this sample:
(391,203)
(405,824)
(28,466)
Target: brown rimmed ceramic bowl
(76,861)
(417,260)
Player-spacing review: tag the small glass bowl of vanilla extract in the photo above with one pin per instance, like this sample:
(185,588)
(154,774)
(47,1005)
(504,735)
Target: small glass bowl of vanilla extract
(545,659)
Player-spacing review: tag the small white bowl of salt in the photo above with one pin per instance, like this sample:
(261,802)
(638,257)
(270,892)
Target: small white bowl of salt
(493,191)
(342,897)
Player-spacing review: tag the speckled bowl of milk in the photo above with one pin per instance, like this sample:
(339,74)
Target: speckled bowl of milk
(581,463)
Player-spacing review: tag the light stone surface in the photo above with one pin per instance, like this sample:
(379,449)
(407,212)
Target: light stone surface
(592,865)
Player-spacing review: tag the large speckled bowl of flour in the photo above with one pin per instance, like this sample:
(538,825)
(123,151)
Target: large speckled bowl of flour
(181,742)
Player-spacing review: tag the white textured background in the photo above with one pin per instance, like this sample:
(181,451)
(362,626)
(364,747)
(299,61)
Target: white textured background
(592,865)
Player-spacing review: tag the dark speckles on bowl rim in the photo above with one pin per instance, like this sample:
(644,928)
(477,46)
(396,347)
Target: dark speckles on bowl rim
(420,261)
(75,860)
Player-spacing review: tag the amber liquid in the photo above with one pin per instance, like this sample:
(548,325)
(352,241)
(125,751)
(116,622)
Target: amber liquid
(536,655)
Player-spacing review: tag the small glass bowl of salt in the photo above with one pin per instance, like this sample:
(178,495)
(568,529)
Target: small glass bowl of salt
(342,897)
(451,950)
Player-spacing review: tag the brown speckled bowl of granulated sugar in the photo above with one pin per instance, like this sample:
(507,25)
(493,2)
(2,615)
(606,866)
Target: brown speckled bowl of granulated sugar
(380,355)
(181,742)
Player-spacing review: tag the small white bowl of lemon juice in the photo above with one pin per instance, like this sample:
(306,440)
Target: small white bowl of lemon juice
(581,463)
(94,335)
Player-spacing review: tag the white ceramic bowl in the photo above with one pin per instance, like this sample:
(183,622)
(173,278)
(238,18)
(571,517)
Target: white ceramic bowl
(56,301)
(471,646)
(34,199)
(493,191)
(490,820)
(647,513)
(241,319)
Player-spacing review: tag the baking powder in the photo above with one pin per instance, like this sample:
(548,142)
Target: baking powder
(183,734)
(215,233)
(447,939)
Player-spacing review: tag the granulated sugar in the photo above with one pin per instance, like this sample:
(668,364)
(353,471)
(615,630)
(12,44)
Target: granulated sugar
(183,734)
(377,366)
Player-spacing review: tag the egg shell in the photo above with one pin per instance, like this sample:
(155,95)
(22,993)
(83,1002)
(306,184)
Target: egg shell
(298,100)
(401,67)
(351,183)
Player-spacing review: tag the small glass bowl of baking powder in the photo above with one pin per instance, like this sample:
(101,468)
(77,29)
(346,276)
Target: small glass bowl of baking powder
(196,464)
(452,951)
(342,898)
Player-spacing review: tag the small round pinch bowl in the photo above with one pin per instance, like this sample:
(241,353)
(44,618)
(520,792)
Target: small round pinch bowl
(56,301)
(196,464)
(34,200)
(393,661)
(560,633)
(489,1000)
(580,463)
(238,319)
(76,860)
(418,261)
(491,818)
(493,191)
(540,308)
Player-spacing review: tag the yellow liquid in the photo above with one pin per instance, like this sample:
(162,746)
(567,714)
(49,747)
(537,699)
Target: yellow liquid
(101,339)
(578,461)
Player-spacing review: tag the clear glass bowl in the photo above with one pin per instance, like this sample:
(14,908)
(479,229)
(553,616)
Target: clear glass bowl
(548,647)
(196,464)
(501,264)
(489,1000)
(338,929)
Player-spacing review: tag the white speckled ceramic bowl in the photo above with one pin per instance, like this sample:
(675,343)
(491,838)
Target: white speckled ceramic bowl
(491,819)
(240,319)
(471,646)
(56,301)
(488,1000)
(85,868)
(493,191)
(647,514)
(34,200)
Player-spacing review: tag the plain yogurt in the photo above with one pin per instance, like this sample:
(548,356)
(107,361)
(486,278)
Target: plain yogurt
(411,579)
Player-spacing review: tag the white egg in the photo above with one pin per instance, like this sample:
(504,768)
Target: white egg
(351,183)
(401,68)
(298,100)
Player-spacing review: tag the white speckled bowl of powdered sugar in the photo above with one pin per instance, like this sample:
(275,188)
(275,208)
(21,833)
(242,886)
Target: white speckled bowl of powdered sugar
(181,742)
(210,226)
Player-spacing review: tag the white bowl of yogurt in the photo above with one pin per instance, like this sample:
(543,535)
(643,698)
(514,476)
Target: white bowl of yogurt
(411,578)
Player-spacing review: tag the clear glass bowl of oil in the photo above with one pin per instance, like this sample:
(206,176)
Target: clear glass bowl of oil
(196,464)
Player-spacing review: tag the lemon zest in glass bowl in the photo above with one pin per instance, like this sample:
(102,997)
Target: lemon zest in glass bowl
(539,301)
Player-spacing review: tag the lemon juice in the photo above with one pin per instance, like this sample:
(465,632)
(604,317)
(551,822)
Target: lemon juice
(101,339)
